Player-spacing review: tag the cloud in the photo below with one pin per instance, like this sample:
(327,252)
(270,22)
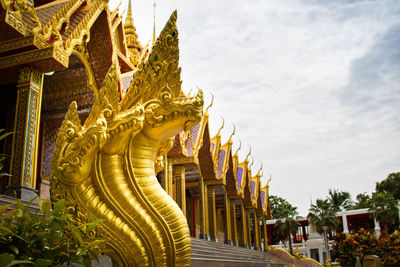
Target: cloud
(311,85)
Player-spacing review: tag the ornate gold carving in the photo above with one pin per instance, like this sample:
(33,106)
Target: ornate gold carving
(160,68)
(16,43)
(26,127)
(27,57)
(109,162)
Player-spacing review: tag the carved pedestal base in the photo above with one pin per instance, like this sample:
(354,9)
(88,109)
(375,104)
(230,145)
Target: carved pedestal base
(22,192)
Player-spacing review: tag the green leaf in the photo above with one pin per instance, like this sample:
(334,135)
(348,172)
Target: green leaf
(58,206)
(43,262)
(14,249)
(79,251)
(87,262)
(45,206)
(5,135)
(77,236)
(6,259)
(20,213)
(5,229)
(19,203)
(19,262)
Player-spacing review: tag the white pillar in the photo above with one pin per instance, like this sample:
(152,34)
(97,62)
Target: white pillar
(398,209)
(321,254)
(377,228)
(345,225)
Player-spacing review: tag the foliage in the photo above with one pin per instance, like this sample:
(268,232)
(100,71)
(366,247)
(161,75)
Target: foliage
(287,224)
(339,200)
(363,243)
(323,214)
(363,201)
(3,157)
(51,238)
(390,185)
(276,206)
(384,209)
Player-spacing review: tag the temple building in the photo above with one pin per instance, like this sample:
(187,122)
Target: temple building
(55,52)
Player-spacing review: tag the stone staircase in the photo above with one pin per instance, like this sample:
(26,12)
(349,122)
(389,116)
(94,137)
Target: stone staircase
(207,253)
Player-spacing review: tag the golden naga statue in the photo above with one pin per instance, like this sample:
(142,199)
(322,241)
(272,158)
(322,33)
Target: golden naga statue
(107,166)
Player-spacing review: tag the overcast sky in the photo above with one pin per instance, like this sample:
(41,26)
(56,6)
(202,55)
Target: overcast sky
(312,86)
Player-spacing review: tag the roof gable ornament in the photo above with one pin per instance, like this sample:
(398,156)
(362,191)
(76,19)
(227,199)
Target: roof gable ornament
(261,170)
(211,104)
(240,146)
(248,155)
(222,126)
(252,162)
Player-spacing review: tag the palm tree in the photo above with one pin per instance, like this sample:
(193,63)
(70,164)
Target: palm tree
(323,214)
(340,200)
(384,209)
(286,223)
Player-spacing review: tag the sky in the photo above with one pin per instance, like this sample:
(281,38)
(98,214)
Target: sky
(312,86)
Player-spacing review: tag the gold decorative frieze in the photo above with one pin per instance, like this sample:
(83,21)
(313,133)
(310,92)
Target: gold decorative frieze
(26,57)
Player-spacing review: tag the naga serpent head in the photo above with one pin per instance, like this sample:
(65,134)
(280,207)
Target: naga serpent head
(167,116)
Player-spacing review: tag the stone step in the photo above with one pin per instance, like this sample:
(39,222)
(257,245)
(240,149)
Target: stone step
(213,254)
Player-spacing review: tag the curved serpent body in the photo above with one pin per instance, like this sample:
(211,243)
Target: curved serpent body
(107,166)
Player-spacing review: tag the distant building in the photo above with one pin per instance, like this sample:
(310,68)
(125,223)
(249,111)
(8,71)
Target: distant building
(311,244)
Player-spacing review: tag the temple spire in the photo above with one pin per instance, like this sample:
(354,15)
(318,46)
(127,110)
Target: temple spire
(154,24)
(132,41)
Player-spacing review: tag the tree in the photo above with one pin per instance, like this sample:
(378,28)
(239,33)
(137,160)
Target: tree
(390,185)
(276,204)
(384,208)
(323,214)
(287,224)
(340,200)
(363,201)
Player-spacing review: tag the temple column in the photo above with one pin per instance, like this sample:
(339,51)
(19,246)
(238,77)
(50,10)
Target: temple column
(257,242)
(180,192)
(233,222)
(228,221)
(25,139)
(212,213)
(265,233)
(168,174)
(245,223)
(204,232)
(248,227)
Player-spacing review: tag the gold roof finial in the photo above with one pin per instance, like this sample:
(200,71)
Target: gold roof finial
(233,133)
(252,162)
(154,23)
(222,127)
(269,180)
(261,170)
(248,153)
(132,41)
(212,102)
(240,146)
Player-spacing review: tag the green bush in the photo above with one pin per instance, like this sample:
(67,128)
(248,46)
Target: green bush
(349,247)
(47,238)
